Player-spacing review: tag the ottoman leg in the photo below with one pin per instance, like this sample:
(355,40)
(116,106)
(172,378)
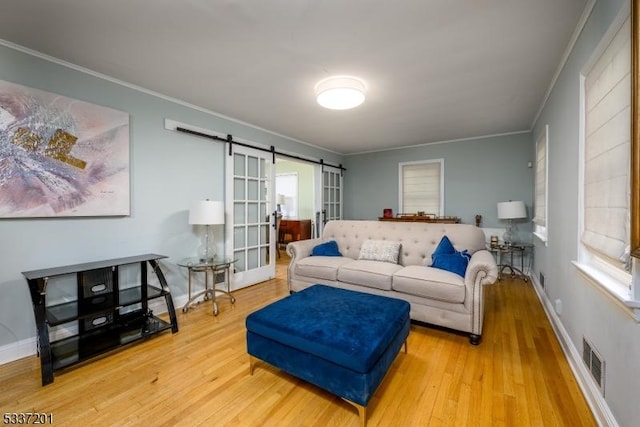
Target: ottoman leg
(362,412)
(252,364)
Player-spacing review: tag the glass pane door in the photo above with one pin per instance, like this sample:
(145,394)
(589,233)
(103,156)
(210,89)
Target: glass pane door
(250,180)
(331,195)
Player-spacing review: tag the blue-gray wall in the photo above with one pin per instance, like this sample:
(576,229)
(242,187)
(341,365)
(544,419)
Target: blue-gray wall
(168,171)
(478,173)
(586,310)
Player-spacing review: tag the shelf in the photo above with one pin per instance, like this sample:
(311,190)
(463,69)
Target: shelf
(130,328)
(58,271)
(132,295)
(105,315)
(74,310)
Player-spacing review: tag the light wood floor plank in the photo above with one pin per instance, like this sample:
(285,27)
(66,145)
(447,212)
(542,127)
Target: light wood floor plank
(200,376)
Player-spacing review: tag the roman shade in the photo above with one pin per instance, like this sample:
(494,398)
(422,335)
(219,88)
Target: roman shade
(421,187)
(540,202)
(607,150)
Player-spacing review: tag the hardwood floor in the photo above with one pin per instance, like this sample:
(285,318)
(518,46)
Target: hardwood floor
(517,376)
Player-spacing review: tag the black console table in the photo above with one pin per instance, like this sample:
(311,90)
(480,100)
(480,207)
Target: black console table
(107,312)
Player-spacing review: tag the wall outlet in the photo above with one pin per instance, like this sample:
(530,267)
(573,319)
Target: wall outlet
(558,307)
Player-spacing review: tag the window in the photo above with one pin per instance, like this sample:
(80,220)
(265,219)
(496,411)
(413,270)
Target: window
(422,187)
(605,152)
(540,200)
(287,194)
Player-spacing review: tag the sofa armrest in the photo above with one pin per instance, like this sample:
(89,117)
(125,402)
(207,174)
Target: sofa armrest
(298,250)
(482,269)
(301,248)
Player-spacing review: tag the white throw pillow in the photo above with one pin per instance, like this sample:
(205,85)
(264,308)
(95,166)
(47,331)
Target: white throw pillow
(380,250)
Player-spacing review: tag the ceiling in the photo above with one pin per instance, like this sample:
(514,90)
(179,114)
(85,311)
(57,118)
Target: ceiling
(436,70)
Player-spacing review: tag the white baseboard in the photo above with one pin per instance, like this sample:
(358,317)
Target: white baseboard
(18,350)
(29,347)
(589,388)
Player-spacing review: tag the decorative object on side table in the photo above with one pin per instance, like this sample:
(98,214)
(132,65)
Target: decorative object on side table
(509,211)
(207,213)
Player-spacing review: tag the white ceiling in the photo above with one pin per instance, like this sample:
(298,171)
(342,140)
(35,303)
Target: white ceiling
(436,70)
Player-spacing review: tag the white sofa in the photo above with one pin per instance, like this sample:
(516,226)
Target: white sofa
(436,296)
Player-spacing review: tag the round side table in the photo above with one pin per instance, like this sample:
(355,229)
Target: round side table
(208,267)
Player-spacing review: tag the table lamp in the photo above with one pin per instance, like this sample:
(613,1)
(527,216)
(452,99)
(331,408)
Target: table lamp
(207,213)
(509,211)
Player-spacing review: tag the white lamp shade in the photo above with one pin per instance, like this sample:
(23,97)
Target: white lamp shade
(280,199)
(512,210)
(206,212)
(340,92)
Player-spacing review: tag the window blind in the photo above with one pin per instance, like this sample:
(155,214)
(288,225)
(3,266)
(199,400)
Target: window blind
(607,150)
(540,201)
(421,187)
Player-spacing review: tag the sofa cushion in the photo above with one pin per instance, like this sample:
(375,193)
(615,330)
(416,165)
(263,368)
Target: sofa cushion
(320,267)
(428,282)
(373,274)
(380,250)
(329,248)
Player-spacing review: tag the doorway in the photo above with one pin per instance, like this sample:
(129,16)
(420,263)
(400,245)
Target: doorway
(295,200)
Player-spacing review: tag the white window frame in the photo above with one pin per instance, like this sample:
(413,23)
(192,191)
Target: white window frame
(540,230)
(619,285)
(401,166)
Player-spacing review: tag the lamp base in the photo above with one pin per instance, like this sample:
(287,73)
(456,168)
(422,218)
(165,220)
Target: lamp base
(207,251)
(507,237)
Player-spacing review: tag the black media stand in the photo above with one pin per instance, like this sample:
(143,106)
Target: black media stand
(104,310)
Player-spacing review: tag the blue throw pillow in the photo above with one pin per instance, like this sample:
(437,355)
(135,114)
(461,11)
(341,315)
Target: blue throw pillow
(444,247)
(329,248)
(456,262)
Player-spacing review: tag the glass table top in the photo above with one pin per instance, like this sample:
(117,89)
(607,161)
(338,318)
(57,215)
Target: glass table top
(195,262)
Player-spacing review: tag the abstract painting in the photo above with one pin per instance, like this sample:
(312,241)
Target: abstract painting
(60,156)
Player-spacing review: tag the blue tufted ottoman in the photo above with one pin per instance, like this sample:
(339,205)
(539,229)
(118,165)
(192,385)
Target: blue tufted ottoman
(342,341)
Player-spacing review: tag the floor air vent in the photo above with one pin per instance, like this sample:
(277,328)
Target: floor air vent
(594,363)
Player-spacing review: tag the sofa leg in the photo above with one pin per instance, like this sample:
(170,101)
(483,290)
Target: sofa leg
(474,339)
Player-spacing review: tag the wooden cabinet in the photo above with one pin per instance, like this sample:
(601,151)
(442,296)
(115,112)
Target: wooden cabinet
(423,218)
(292,230)
(105,307)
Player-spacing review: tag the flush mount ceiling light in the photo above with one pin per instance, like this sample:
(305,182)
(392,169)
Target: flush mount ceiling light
(340,92)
